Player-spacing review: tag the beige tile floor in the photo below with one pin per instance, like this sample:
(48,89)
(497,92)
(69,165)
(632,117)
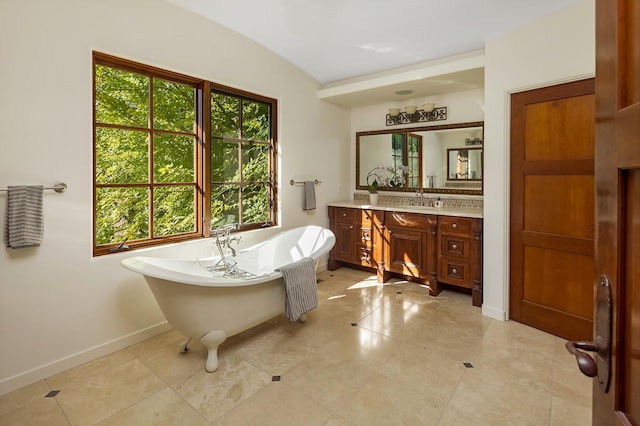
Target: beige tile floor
(368,355)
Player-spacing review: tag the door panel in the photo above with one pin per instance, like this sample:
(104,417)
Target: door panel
(572,275)
(548,199)
(552,209)
(564,137)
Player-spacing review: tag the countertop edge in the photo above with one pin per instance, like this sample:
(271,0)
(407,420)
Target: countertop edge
(443,211)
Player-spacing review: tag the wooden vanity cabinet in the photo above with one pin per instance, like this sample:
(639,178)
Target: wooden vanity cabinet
(357,237)
(410,246)
(460,254)
(430,249)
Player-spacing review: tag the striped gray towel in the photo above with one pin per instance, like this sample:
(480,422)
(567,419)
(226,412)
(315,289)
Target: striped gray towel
(301,287)
(25,222)
(309,195)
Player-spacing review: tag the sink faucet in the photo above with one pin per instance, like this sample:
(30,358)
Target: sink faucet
(420,195)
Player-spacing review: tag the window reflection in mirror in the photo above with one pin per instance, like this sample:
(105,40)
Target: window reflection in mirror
(444,158)
(464,164)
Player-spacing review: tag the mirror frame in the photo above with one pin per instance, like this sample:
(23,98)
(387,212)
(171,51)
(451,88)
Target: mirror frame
(407,130)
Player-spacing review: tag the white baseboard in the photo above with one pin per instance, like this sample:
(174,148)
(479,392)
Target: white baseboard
(55,367)
(494,313)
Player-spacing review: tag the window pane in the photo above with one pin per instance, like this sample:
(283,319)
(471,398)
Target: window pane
(225,116)
(173,106)
(224,162)
(121,156)
(413,146)
(255,162)
(224,205)
(255,203)
(414,166)
(255,121)
(122,97)
(397,143)
(173,210)
(173,158)
(121,213)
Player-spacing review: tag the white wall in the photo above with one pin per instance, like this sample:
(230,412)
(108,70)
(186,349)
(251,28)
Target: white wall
(59,306)
(553,49)
(462,107)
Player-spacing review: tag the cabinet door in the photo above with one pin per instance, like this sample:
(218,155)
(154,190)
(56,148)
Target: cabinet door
(406,251)
(347,242)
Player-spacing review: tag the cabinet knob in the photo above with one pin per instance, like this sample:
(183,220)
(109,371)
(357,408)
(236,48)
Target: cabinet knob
(454,226)
(344,214)
(351,227)
(455,246)
(454,270)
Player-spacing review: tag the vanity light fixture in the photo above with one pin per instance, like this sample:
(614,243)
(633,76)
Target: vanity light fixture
(474,140)
(415,114)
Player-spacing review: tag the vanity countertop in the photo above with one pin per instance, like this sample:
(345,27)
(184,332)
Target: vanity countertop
(443,211)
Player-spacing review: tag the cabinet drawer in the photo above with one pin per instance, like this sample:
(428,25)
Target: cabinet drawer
(456,272)
(343,214)
(455,246)
(408,220)
(455,225)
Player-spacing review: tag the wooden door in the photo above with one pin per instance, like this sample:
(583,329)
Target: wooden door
(552,209)
(618,203)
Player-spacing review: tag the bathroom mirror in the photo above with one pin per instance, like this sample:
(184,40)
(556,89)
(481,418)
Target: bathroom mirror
(442,158)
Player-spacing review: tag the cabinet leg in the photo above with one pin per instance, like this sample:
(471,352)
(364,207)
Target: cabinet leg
(476,295)
(383,276)
(332,265)
(434,288)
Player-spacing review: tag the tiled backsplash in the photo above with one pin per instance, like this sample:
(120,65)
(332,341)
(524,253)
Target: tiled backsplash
(405,200)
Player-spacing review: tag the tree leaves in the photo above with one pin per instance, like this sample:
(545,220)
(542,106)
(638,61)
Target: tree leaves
(134,133)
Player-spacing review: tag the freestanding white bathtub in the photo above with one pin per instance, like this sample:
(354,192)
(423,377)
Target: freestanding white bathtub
(207,306)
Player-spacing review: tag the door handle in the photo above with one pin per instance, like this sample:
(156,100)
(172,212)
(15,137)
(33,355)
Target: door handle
(599,367)
(586,364)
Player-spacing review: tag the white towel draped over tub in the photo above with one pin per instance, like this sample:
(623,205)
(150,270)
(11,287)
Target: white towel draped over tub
(25,224)
(301,287)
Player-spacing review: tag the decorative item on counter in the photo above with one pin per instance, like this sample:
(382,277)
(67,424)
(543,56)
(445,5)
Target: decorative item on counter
(373,192)
(438,203)
(383,176)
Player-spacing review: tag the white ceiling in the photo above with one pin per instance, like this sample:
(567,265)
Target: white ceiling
(334,40)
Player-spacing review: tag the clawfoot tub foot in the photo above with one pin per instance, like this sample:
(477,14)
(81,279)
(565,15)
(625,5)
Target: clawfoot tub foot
(184,347)
(211,340)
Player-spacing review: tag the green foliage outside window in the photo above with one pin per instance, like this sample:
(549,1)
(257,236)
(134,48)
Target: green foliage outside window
(122,155)
(240,152)
(146,179)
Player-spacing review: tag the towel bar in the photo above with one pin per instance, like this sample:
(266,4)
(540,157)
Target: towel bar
(58,187)
(293,182)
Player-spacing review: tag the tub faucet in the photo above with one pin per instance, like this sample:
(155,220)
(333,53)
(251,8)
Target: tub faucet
(223,240)
(228,244)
